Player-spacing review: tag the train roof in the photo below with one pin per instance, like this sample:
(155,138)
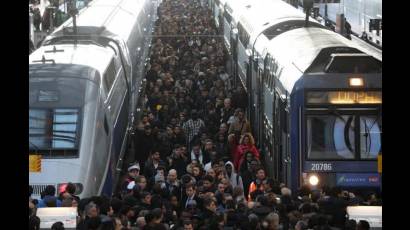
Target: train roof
(263,14)
(112,17)
(82,57)
(235,9)
(367,48)
(297,49)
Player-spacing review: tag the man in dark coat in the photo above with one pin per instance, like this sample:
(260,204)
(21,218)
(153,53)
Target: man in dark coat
(144,143)
(190,194)
(209,217)
(227,111)
(334,206)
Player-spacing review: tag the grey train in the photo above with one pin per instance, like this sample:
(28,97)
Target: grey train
(83,83)
(314,96)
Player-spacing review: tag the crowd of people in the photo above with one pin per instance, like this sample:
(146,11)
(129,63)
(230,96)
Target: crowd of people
(196,164)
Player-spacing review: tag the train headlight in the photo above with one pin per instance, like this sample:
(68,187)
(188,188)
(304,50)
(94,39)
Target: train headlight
(356,81)
(313,180)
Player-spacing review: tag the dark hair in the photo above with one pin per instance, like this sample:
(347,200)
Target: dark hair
(208,201)
(34,223)
(93,223)
(260,168)
(156,213)
(194,114)
(335,191)
(30,190)
(138,178)
(363,225)
(50,190)
(187,222)
(160,167)
(263,200)
(70,188)
(105,205)
(208,178)
(149,217)
(116,204)
(350,225)
(144,194)
(125,209)
(186,179)
(271,182)
(306,208)
(190,185)
(58,226)
(156,201)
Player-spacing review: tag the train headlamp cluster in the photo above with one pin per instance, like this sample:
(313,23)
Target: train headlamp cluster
(313,180)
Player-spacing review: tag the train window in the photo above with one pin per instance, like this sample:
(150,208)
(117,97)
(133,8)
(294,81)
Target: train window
(54,131)
(277,29)
(331,137)
(370,136)
(243,35)
(109,75)
(353,63)
(271,82)
(228,17)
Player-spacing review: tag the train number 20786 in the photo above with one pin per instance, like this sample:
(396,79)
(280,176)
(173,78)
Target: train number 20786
(321,167)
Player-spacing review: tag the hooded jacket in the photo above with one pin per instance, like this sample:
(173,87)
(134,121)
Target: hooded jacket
(235,179)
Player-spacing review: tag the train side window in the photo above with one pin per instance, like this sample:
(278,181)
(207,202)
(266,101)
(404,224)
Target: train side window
(109,75)
(105,125)
(271,82)
(117,60)
(243,35)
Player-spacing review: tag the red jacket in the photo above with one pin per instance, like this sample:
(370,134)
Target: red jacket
(239,154)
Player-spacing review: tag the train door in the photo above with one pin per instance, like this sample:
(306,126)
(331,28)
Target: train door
(108,81)
(275,137)
(281,137)
(257,100)
(116,113)
(288,174)
(284,140)
(251,110)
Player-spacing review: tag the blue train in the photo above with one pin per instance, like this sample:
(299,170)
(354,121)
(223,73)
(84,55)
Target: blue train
(315,98)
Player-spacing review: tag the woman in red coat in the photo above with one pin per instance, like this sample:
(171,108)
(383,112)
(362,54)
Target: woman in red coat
(246,144)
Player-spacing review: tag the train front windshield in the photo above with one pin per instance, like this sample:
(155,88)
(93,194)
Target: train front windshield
(56,114)
(54,131)
(350,127)
(336,137)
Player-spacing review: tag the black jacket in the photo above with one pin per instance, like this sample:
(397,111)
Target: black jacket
(196,198)
(143,146)
(209,219)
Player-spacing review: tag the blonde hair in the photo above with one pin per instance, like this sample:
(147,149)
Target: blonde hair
(251,139)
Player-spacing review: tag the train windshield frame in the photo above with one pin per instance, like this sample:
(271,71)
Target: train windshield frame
(347,130)
(55,132)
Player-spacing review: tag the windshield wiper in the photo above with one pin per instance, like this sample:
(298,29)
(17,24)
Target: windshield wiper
(346,133)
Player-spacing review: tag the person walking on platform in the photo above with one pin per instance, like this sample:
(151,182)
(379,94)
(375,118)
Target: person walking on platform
(227,111)
(143,144)
(246,144)
(241,125)
(192,127)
